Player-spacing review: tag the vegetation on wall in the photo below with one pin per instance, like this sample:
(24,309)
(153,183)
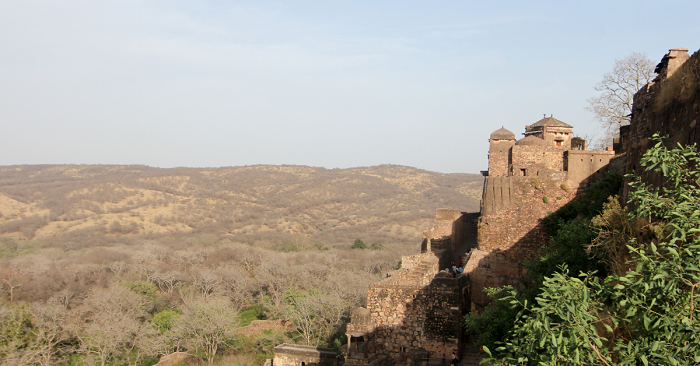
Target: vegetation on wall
(572,232)
(646,310)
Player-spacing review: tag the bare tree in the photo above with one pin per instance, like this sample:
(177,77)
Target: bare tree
(49,330)
(108,323)
(206,324)
(613,106)
(235,284)
(11,279)
(206,281)
(167,282)
(315,314)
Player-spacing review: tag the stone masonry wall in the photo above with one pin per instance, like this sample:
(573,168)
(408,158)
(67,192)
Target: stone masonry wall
(670,105)
(411,317)
(498,194)
(294,355)
(537,158)
(441,234)
(587,166)
(516,230)
(499,157)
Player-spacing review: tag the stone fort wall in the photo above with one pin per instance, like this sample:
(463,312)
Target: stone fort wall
(416,317)
(670,105)
(516,229)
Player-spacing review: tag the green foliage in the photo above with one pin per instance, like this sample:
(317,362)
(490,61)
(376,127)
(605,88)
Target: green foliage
(647,315)
(164,320)
(378,246)
(266,342)
(496,320)
(287,246)
(588,204)
(15,328)
(545,199)
(567,247)
(561,327)
(536,184)
(253,312)
(358,244)
(571,237)
(7,248)
(141,287)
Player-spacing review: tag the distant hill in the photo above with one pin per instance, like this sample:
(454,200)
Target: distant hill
(83,205)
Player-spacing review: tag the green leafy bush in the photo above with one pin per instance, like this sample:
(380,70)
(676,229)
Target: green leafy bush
(497,319)
(164,319)
(647,315)
(358,244)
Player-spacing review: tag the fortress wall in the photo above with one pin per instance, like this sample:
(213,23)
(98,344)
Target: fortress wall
(537,158)
(499,158)
(509,236)
(442,233)
(411,261)
(668,105)
(587,166)
(487,269)
(498,194)
(517,228)
(410,317)
(294,354)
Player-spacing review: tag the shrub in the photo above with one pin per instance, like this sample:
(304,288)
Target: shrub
(377,246)
(164,319)
(358,244)
(647,315)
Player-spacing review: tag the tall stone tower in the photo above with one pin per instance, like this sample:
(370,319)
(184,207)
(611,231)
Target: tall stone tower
(500,157)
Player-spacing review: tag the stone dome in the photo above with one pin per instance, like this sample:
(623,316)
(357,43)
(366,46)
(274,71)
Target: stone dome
(533,141)
(502,134)
(360,316)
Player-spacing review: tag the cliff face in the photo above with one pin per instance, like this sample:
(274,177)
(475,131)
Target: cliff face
(669,105)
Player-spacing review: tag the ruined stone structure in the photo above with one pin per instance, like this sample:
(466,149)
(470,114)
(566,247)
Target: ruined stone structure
(415,313)
(298,355)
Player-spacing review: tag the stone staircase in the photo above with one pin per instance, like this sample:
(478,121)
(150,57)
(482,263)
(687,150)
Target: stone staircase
(471,355)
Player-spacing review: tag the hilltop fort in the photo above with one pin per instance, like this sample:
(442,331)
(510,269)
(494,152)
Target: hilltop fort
(413,316)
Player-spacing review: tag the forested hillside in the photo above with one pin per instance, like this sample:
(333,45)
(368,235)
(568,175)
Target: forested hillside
(75,206)
(119,265)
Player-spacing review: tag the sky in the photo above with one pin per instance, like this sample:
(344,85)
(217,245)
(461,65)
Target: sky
(334,84)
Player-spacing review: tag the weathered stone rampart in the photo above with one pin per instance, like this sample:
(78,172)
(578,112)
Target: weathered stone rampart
(412,317)
(529,160)
(670,105)
(516,230)
(587,166)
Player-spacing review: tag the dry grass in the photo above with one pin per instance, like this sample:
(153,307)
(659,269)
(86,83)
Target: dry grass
(378,204)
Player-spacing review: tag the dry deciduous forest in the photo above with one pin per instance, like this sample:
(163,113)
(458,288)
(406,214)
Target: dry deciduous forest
(119,265)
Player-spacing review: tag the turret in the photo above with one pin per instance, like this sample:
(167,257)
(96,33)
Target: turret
(500,143)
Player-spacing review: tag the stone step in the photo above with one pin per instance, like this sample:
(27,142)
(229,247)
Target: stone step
(471,355)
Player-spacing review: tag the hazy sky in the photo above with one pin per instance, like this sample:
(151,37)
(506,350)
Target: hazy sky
(335,84)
